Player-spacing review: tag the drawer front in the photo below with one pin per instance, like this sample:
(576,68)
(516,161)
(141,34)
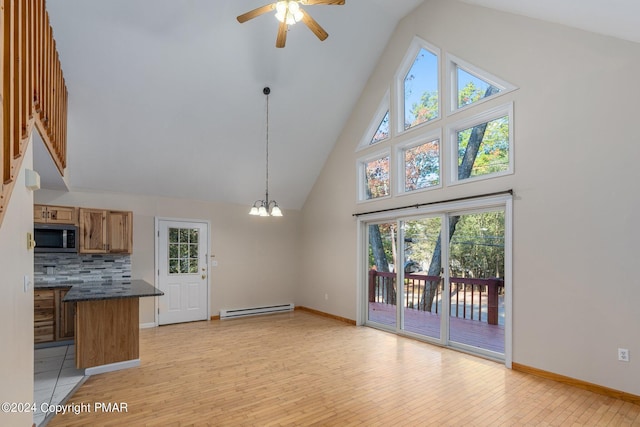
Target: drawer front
(40,315)
(43,305)
(43,298)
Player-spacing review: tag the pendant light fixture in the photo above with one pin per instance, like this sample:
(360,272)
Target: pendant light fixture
(266,207)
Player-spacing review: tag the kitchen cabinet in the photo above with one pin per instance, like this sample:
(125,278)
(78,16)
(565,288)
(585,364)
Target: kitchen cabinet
(43,315)
(104,231)
(65,316)
(120,232)
(45,214)
(53,319)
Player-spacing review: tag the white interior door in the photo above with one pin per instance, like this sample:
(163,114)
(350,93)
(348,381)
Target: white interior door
(183,275)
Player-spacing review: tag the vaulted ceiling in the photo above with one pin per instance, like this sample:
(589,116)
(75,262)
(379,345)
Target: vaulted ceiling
(165,96)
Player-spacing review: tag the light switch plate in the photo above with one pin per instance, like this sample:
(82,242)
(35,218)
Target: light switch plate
(27,283)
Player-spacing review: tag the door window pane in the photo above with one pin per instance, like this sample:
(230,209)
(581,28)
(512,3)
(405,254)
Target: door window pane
(183,250)
(382,276)
(476,267)
(422,297)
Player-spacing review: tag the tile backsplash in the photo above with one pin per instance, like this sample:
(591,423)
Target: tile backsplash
(61,267)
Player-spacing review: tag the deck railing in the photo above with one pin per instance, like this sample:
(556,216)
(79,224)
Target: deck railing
(33,89)
(474,299)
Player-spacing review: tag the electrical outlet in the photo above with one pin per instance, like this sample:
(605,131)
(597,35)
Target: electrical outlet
(623,354)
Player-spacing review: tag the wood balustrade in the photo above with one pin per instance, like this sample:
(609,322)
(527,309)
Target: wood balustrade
(467,300)
(33,89)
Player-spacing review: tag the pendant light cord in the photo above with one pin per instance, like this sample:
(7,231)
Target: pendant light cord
(267,171)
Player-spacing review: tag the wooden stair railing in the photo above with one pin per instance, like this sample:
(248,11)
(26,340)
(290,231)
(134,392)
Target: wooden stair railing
(33,90)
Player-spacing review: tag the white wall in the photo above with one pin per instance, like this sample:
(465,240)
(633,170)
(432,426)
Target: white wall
(256,256)
(16,305)
(575,285)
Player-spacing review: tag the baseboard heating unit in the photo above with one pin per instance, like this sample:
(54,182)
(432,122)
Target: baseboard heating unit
(253,311)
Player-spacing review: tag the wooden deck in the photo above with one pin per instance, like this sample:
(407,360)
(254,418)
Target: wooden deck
(470,332)
(299,369)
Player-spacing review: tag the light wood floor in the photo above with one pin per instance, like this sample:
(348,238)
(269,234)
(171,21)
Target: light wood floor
(302,369)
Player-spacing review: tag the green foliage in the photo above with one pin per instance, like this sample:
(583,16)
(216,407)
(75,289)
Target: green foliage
(493,155)
(420,240)
(477,246)
(469,94)
(425,110)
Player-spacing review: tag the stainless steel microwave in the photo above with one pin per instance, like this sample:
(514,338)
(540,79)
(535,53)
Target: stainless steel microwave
(55,238)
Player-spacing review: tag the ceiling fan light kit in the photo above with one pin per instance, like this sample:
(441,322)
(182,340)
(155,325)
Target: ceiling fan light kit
(288,12)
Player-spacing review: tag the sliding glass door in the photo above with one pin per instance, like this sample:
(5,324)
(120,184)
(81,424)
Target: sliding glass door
(441,275)
(476,277)
(421,277)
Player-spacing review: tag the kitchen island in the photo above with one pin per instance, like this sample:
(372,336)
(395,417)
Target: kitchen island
(107,323)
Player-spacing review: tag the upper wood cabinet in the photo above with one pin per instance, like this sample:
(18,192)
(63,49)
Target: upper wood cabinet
(120,232)
(103,231)
(55,214)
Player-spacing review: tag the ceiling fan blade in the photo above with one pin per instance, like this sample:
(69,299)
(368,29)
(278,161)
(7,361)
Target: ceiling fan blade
(327,2)
(314,26)
(256,12)
(282,35)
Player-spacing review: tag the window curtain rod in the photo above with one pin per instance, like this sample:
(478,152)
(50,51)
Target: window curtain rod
(419,205)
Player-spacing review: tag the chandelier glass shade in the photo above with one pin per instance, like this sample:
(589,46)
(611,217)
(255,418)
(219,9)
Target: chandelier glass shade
(266,207)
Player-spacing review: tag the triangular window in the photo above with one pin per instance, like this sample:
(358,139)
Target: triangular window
(470,85)
(382,132)
(378,129)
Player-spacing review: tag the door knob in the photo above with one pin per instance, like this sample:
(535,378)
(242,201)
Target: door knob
(204,276)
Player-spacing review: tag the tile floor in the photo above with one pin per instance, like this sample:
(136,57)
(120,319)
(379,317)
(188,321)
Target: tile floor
(55,378)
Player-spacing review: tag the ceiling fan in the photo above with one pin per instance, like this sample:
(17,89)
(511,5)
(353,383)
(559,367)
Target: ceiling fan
(289,12)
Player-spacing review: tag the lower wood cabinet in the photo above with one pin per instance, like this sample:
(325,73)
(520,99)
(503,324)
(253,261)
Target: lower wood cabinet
(53,320)
(43,315)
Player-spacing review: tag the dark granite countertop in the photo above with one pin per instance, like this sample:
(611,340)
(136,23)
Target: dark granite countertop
(57,285)
(93,291)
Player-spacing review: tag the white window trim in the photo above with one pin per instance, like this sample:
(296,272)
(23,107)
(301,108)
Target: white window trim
(435,134)
(410,56)
(362,183)
(484,117)
(382,110)
(453,63)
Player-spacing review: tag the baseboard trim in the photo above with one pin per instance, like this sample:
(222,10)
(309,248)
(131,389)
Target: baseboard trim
(323,314)
(148,325)
(110,367)
(606,391)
